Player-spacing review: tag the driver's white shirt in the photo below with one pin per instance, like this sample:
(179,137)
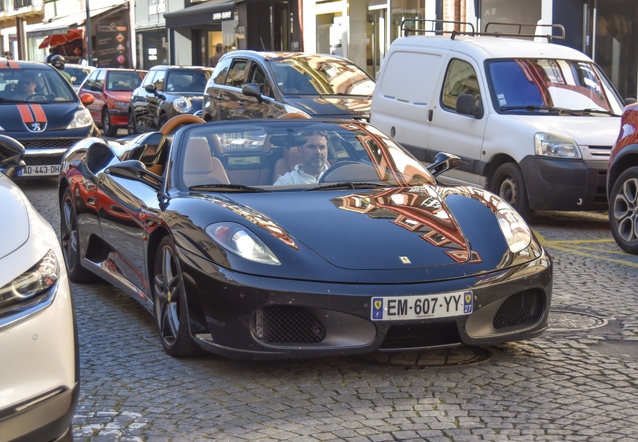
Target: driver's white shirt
(298,176)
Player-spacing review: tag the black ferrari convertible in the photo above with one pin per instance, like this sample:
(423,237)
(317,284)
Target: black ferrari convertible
(298,237)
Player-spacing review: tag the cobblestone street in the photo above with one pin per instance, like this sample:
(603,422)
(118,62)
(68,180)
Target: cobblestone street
(576,382)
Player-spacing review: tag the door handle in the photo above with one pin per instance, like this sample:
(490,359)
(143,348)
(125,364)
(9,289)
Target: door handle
(430,114)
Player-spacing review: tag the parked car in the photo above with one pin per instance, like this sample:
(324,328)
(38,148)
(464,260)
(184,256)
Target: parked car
(39,386)
(622,183)
(374,255)
(47,117)
(166,91)
(111,89)
(78,74)
(532,121)
(250,84)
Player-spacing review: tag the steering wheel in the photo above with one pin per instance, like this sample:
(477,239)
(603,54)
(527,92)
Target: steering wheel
(337,166)
(33,97)
(178,120)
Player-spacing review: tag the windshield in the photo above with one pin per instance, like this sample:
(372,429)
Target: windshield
(292,155)
(184,80)
(532,85)
(35,86)
(320,75)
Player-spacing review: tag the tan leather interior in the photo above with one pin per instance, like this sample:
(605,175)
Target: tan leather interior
(200,167)
(291,157)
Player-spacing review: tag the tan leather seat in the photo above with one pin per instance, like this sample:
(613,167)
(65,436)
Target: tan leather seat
(290,158)
(200,167)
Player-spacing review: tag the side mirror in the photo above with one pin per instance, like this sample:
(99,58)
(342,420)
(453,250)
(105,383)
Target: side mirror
(87,99)
(252,90)
(11,152)
(465,105)
(444,162)
(135,170)
(150,88)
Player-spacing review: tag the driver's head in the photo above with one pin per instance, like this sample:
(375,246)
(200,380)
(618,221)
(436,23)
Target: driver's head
(314,152)
(28,83)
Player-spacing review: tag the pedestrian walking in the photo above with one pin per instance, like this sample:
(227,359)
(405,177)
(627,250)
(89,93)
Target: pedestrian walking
(219,51)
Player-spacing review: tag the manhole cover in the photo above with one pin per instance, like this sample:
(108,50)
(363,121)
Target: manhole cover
(560,321)
(432,358)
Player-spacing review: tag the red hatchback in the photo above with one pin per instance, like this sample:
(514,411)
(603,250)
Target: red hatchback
(112,89)
(622,183)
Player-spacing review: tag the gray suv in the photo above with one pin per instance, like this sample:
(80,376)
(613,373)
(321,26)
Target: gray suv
(250,84)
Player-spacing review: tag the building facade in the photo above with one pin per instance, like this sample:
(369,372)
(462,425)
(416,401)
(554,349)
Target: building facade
(362,30)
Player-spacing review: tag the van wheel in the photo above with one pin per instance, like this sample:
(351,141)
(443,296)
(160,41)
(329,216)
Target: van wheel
(508,183)
(623,211)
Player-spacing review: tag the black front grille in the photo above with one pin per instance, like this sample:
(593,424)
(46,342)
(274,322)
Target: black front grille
(287,325)
(522,308)
(42,161)
(49,143)
(421,335)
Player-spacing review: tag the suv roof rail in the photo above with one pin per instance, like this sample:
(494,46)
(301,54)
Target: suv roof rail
(453,33)
(433,23)
(535,26)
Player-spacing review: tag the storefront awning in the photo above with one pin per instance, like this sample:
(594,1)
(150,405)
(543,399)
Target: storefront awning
(202,14)
(61,25)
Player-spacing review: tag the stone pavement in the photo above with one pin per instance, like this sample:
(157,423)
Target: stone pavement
(577,382)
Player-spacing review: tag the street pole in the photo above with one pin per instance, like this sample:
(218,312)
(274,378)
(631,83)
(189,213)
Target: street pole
(87,31)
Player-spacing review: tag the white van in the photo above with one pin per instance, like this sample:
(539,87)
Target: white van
(532,121)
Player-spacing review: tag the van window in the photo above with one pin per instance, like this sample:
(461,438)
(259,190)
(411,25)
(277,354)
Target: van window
(410,76)
(237,73)
(460,78)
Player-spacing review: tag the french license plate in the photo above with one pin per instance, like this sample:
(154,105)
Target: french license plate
(442,305)
(52,169)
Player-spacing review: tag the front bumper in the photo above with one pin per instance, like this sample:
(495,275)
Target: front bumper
(47,149)
(570,185)
(119,117)
(244,316)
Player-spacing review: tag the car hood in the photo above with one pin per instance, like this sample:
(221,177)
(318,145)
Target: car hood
(585,130)
(332,105)
(393,229)
(36,117)
(18,223)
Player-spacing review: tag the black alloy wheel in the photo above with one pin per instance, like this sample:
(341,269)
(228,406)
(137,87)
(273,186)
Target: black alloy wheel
(623,210)
(131,129)
(70,241)
(170,309)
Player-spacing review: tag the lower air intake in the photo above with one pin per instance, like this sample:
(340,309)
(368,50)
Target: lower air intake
(287,325)
(523,308)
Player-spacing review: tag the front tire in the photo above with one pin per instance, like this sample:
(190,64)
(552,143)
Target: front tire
(623,211)
(170,309)
(508,183)
(131,129)
(70,241)
(107,127)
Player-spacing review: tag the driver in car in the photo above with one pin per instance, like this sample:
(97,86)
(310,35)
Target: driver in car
(314,161)
(25,88)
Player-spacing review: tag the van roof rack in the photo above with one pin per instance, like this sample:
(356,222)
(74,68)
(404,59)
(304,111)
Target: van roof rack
(518,31)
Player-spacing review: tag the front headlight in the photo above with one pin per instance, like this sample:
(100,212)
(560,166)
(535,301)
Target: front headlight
(182,105)
(32,285)
(293,110)
(515,230)
(82,118)
(120,105)
(556,146)
(242,242)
